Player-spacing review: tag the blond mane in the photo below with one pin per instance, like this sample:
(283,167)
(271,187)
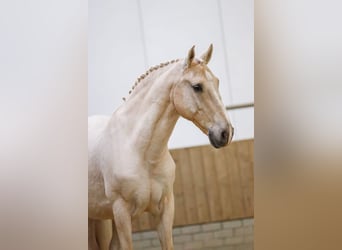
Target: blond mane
(149,71)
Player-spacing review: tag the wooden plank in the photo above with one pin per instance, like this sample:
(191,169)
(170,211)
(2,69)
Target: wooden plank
(144,222)
(235,182)
(136,225)
(243,166)
(180,212)
(224,183)
(249,171)
(199,184)
(251,149)
(188,187)
(212,185)
(250,178)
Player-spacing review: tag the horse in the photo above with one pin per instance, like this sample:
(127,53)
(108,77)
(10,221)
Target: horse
(130,169)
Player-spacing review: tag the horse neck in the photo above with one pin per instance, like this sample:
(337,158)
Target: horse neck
(149,115)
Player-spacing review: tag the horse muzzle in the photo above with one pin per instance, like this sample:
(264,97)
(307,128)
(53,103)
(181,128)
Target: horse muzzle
(220,136)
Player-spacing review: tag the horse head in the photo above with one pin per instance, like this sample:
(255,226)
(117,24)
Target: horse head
(196,97)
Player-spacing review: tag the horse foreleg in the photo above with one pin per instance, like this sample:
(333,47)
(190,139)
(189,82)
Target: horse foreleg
(92,244)
(115,243)
(103,231)
(165,223)
(123,223)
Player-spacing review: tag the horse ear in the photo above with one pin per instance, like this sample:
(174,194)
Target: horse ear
(190,57)
(207,55)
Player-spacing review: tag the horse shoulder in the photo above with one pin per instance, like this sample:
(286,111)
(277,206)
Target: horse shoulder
(170,167)
(162,179)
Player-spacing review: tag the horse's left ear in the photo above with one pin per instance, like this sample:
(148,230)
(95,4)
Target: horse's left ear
(190,57)
(207,55)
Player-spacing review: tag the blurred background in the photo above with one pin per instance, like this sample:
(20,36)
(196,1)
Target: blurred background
(44,76)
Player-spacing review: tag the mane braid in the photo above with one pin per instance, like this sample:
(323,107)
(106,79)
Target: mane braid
(150,70)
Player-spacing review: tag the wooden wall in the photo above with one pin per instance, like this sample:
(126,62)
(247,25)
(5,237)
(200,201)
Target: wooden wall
(211,185)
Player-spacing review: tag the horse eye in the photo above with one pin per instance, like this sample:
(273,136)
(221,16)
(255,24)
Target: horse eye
(197,87)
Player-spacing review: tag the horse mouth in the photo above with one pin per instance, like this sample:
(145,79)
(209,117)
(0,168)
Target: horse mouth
(213,143)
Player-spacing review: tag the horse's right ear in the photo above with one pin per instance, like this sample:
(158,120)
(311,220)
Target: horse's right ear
(190,57)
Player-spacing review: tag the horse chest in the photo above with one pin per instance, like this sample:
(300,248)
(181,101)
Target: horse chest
(158,190)
(149,194)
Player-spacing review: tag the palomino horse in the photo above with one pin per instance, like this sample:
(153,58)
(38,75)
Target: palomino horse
(130,167)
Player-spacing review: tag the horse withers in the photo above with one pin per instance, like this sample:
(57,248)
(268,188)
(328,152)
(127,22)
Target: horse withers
(130,169)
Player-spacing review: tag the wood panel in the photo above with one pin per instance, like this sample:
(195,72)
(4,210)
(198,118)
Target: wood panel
(225,187)
(199,185)
(211,185)
(211,175)
(178,191)
(188,186)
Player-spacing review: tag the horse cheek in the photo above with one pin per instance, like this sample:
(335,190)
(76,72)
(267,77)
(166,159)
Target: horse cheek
(183,104)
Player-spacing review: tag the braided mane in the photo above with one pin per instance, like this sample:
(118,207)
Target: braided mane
(149,71)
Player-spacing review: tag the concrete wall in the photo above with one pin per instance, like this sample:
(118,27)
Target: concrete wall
(226,235)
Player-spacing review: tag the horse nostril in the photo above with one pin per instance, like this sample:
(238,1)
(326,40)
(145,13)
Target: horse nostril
(224,135)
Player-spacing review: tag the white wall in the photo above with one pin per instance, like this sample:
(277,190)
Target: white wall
(127,37)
